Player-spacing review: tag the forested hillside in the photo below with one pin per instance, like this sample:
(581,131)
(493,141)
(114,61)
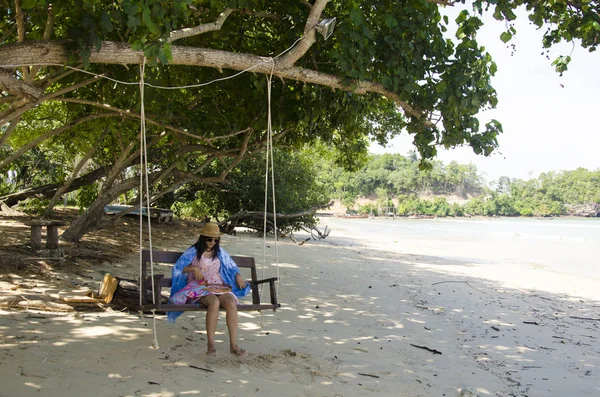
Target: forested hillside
(395,184)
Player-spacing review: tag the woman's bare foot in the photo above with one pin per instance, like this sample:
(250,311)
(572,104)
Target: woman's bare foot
(238,351)
(211,351)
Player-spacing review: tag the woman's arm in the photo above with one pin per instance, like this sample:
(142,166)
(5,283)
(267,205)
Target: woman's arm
(241,283)
(179,278)
(230,273)
(196,271)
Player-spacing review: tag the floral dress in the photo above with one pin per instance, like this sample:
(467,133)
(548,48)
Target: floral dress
(196,289)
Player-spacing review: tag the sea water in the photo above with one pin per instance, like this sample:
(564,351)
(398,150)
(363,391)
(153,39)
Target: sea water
(566,245)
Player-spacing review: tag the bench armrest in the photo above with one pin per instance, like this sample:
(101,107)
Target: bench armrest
(272,291)
(266,280)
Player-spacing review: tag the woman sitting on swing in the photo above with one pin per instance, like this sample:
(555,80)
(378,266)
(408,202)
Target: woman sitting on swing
(206,273)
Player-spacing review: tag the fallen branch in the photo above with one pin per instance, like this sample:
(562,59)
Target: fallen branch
(585,318)
(545,348)
(372,376)
(296,241)
(426,348)
(261,214)
(531,322)
(314,230)
(200,368)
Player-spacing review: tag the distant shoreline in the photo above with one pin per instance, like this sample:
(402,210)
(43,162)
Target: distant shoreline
(362,216)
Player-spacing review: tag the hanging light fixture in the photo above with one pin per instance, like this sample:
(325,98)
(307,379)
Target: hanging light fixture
(325,27)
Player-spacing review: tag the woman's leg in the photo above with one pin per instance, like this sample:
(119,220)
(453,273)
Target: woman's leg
(229,303)
(212,317)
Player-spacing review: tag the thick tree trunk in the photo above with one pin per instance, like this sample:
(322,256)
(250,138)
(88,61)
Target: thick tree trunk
(90,219)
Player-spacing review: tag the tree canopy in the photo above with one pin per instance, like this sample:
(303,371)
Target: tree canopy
(70,74)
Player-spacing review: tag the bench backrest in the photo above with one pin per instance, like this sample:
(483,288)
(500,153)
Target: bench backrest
(172,256)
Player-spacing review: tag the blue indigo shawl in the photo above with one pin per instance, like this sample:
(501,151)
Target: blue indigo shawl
(228,271)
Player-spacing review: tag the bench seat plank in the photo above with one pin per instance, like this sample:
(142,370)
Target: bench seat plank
(201,308)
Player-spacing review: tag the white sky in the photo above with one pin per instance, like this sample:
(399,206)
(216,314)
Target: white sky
(546,127)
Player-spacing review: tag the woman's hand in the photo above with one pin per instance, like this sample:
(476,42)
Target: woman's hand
(241,283)
(195,271)
(198,274)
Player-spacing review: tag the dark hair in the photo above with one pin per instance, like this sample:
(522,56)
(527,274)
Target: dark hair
(201,246)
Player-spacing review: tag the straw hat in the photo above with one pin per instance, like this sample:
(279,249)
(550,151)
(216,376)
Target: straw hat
(210,229)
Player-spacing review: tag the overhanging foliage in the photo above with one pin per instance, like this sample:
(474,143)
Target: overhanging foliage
(388,67)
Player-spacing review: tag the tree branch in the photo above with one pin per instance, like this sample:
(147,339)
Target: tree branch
(308,38)
(49,134)
(160,194)
(48,190)
(260,214)
(185,149)
(209,140)
(7,98)
(11,127)
(200,29)
(55,52)
(26,105)
(191,176)
(129,114)
(61,190)
(14,86)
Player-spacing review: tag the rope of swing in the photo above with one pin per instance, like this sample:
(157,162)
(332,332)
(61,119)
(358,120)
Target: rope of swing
(269,157)
(144,183)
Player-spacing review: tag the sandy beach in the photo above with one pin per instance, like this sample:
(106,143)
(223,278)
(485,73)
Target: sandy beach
(356,320)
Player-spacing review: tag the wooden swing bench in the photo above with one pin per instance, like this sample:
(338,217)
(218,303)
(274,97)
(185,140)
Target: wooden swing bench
(160,281)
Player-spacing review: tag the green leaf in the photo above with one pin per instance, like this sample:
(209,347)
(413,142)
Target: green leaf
(390,21)
(498,14)
(493,68)
(168,51)
(510,15)
(462,16)
(505,37)
(137,45)
(105,22)
(133,21)
(356,17)
(27,4)
(147,19)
